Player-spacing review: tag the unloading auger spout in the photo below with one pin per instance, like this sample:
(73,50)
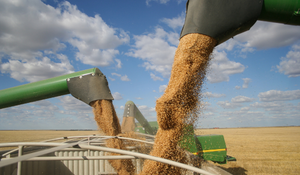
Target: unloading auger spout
(87,85)
(223,19)
(131,110)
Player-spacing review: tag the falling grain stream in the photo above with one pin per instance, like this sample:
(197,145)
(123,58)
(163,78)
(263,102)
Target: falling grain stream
(108,122)
(179,104)
(177,107)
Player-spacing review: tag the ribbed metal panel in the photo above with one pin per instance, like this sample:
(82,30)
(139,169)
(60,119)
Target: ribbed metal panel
(8,170)
(76,163)
(68,167)
(70,163)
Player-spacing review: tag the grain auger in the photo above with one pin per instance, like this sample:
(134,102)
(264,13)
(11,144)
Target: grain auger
(223,19)
(132,112)
(207,147)
(87,85)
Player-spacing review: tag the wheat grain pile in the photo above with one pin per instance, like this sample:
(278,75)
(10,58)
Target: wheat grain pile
(179,104)
(108,122)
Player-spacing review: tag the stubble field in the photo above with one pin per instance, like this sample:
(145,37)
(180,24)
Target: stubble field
(37,135)
(262,151)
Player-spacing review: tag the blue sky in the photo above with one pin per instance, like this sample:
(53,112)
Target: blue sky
(253,79)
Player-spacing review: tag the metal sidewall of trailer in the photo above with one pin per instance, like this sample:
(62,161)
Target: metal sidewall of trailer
(67,167)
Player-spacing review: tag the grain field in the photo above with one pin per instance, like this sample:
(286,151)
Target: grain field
(36,136)
(259,151)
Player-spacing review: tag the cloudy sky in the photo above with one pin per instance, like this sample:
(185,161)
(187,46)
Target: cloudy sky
(253,79)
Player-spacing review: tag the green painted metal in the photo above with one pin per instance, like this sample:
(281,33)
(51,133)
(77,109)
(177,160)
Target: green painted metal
(187,140)
(39,90)
(208,147)
(281,11)
(212,147)
(153,124)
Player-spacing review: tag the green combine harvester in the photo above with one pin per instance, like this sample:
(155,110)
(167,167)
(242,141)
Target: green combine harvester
(219,19)
(88,86)
(207,147)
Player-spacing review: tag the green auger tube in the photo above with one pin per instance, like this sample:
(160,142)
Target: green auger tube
(224,19)
(281,11)
(87,86)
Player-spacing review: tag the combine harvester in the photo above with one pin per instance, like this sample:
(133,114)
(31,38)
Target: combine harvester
(84,155)
(76,155)
(207,147)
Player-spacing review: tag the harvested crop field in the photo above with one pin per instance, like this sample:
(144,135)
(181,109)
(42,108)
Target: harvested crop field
(36,135)
(264,151)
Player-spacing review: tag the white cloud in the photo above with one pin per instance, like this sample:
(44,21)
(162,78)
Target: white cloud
(208,114)
(31,30)
(274,106)
(176,22)
(94,39)
(264,35)
(285,114)
(155,78)
(213,95)
(207,107)
(246,82)
(35,70)
(220,67)
(148,112)
(237,87)
(29,112)
(245,109)
(290,65)
(112,79)
(157,50)
(43,115)
(144,107)
(70,104)
(228,105)
(125,78)
(162,88)
(115,74)
(162,1)
(276,95)
(119,63)
(117,96)
(159,1)
(241,99)
(243,115)
(94,57)
(228,45)
(45,105)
